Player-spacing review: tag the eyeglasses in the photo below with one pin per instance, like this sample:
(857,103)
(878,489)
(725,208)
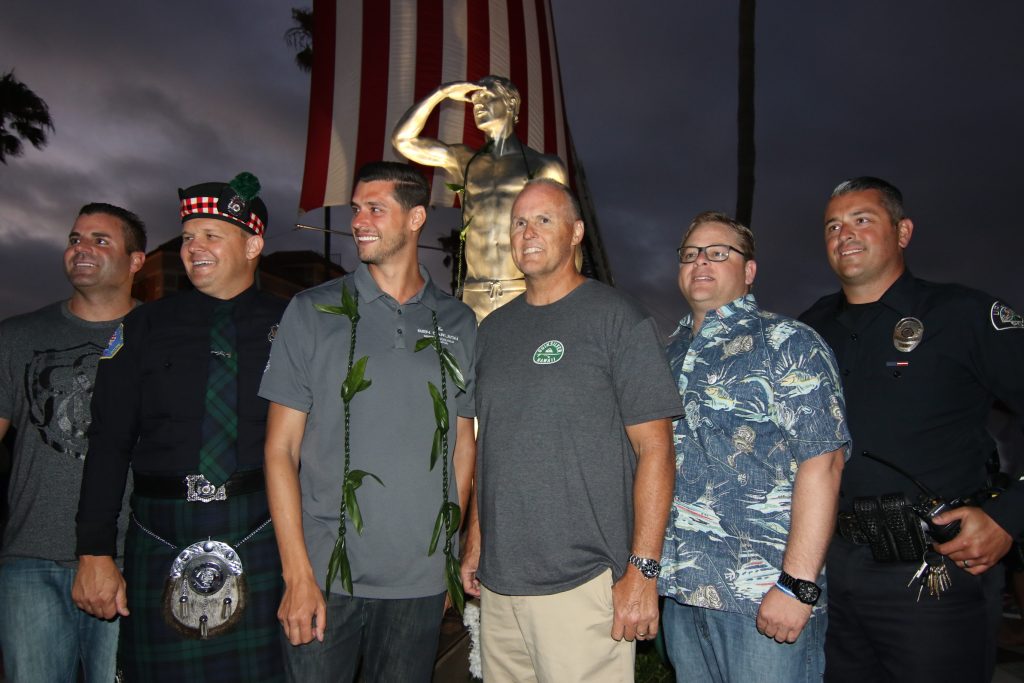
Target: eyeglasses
(714,252)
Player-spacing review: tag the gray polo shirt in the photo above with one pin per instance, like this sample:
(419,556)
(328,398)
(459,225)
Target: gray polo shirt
(391,429)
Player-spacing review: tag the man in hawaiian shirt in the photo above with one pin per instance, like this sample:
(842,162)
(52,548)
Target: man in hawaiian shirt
(759,456)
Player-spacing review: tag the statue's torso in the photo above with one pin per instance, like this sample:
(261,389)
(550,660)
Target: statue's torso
(492,184)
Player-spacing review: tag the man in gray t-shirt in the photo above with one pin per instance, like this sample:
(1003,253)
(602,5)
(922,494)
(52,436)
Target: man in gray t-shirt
(47,366)
(575,463)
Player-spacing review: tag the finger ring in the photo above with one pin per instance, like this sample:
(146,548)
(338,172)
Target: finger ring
(641,634)
(967,565)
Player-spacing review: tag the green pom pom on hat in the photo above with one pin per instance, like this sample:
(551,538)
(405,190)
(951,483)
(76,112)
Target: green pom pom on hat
(246,185)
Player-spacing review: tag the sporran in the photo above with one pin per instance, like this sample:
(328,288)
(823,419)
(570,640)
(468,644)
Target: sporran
(206,591)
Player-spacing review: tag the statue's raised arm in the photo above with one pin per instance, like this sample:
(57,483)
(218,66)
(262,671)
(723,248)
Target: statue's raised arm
(430,151)
(491,176)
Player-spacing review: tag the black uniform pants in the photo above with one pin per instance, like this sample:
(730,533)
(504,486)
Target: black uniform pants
(878,631)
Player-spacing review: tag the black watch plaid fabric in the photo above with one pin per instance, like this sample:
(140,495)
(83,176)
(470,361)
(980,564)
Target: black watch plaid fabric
(218,455)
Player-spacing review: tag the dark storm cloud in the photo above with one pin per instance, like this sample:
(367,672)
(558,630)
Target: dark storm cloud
(919,93)
(37,203)
(654,125)
(31,265)
(922,93)
(146,98)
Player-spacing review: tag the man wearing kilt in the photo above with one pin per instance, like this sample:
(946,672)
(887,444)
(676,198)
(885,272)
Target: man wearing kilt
(176,399)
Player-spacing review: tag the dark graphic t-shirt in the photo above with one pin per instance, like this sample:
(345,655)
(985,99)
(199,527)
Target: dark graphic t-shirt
(47,366)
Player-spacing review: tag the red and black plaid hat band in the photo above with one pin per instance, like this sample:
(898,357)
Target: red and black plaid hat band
(191,206)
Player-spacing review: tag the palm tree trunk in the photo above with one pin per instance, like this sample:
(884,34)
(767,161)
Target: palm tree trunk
(745,151)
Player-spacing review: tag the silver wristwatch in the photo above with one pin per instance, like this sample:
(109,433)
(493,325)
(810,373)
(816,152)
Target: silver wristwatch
(648,567)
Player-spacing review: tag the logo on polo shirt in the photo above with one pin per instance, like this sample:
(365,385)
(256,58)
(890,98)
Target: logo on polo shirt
(447,339)
(549,352)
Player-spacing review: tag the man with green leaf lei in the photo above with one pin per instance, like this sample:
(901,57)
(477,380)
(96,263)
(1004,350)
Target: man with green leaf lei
(368,394)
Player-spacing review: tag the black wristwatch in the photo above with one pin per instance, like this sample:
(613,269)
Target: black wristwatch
(648,567)
(806,592)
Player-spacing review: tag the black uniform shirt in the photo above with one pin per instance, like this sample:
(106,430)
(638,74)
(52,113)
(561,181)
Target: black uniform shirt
(149,400)
(925,409)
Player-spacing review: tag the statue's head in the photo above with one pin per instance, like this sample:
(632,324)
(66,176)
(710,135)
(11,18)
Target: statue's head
(496,103)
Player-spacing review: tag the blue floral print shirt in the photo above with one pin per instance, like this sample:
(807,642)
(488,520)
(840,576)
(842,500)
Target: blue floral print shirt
(761,394)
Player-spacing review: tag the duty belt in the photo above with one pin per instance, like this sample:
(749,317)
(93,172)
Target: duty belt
(885,523)
(196,489)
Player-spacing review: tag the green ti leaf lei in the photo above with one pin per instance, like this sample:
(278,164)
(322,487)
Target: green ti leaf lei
(449,517)
(352,479)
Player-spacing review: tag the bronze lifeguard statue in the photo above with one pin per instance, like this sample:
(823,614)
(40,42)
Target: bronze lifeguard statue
(492,177)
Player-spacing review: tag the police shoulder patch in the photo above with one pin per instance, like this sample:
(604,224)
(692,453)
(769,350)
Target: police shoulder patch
(115,343)
(1004,317)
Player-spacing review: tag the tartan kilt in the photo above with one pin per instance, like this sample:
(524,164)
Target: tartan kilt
(150,649)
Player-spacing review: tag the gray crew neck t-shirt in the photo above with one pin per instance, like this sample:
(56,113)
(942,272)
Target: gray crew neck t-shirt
(48,362)
(556,387)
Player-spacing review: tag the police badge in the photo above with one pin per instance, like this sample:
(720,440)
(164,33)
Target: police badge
(907,334)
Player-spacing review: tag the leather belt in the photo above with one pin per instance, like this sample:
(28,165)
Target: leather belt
(196,489)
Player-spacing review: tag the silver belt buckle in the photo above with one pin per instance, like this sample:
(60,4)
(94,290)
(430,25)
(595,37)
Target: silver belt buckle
(202,491)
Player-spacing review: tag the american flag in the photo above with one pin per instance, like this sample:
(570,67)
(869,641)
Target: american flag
(373,59)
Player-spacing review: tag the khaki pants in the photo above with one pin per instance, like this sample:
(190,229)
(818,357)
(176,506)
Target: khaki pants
(558,638)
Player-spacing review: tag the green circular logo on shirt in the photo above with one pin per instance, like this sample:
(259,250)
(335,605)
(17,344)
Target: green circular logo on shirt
(549,352)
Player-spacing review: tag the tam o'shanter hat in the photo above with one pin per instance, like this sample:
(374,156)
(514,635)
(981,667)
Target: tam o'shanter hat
(235,202)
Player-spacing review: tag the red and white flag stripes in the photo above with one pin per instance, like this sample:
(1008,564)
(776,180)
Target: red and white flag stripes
(372,59)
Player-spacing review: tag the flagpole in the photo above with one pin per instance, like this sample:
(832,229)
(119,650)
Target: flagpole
(327,233)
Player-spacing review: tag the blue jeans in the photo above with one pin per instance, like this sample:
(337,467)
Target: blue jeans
(43,635)
(712,646)
(396,640)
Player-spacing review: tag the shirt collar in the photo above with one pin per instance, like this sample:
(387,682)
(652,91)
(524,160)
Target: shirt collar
(744,304)
(899,297)
(242,298)
(369,290)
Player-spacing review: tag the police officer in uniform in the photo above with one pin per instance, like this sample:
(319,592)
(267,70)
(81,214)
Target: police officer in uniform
(176,400)
(921,364)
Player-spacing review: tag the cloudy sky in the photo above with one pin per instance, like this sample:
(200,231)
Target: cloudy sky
(147,97)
